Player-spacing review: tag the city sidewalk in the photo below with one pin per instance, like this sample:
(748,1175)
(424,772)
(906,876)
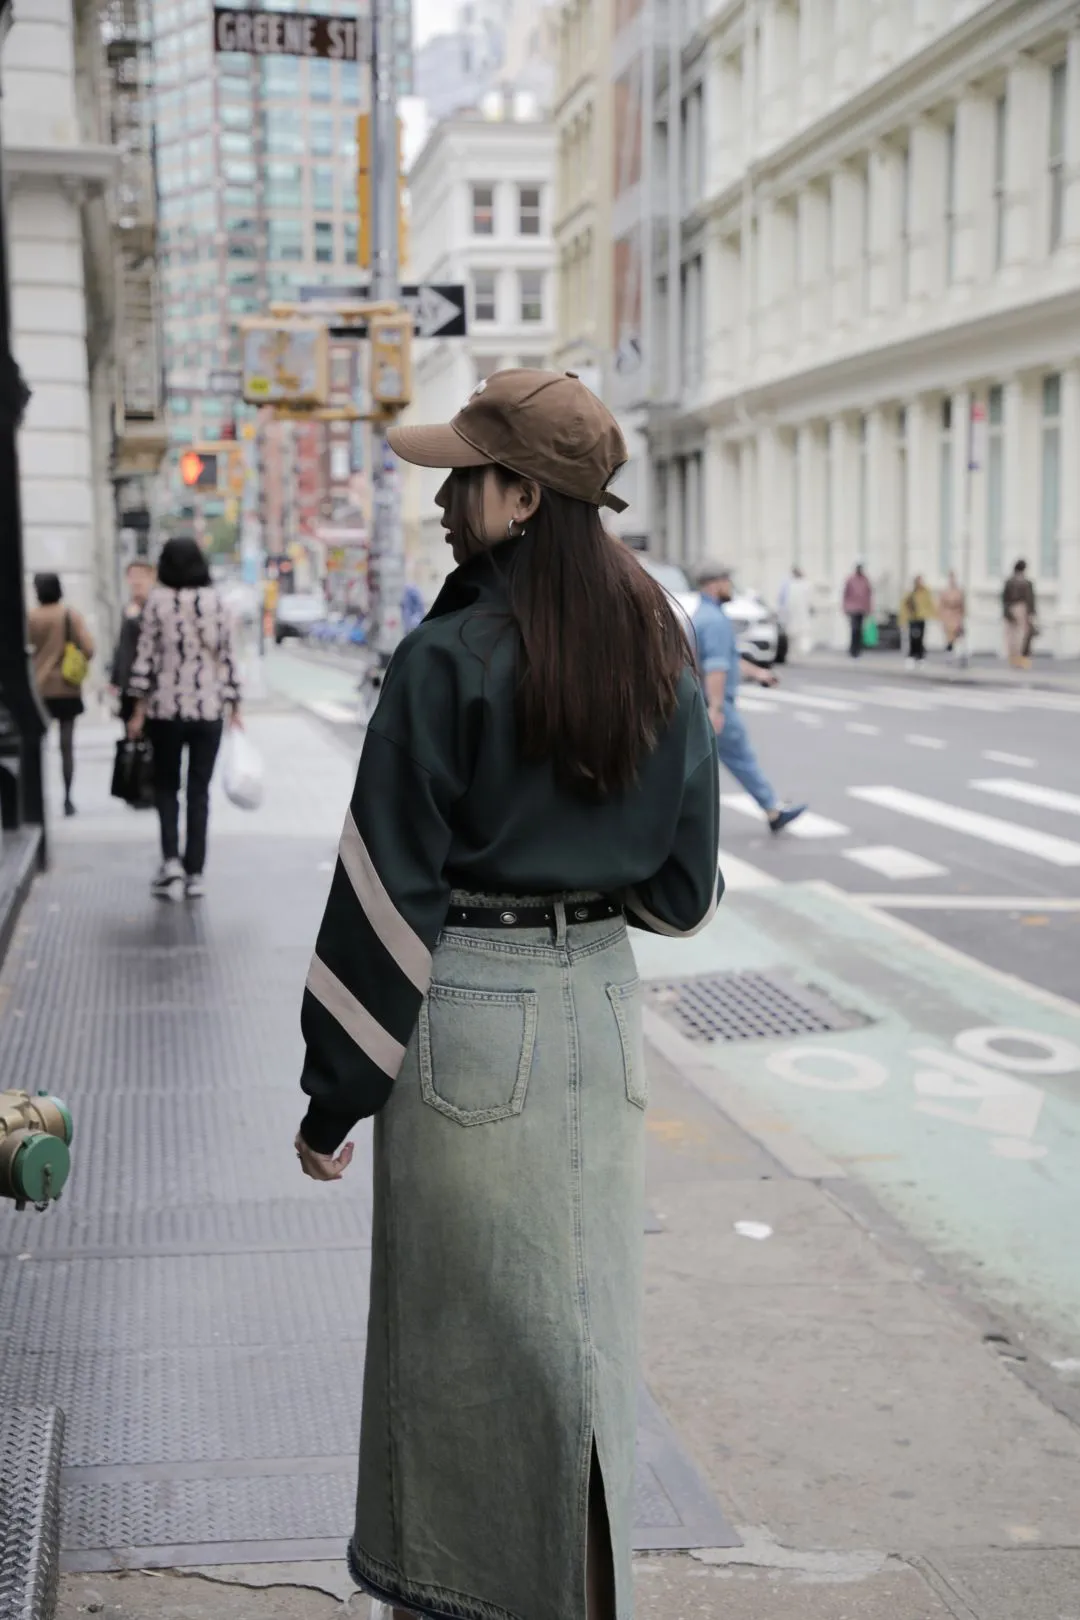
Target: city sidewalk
(859,1262)
(1045,674)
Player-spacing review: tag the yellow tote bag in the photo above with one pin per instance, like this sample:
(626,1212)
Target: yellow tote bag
(75,665)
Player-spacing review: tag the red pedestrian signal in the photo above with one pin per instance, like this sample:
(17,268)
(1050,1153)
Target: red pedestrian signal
(198,472)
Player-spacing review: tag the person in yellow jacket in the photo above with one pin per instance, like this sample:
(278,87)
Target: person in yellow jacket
(916,608)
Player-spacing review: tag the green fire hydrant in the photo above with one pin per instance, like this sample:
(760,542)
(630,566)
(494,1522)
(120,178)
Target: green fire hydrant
(35,1134)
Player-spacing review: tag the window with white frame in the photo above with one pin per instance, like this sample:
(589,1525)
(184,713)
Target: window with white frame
(483,210)
(864,175)
(864,485)
(531,295)
(483,295)
(1059,90)
(905,224)
(902,476)
(995,480)
(945,488)
(1050,503)
(528,210)
(485,366)
(950,202)
(1001,131)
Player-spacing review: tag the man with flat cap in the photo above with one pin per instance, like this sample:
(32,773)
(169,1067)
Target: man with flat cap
(719,662)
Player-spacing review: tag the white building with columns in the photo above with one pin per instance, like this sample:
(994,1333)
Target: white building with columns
(481,203)
(867,321)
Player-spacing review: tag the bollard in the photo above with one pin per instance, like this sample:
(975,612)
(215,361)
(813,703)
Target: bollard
(35,1134)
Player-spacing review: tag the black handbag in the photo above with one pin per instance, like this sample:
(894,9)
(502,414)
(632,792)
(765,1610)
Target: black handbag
(133,773)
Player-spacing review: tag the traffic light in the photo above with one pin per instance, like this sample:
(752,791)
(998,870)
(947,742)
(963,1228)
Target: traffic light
(363,192)
(199,469)
(391,359)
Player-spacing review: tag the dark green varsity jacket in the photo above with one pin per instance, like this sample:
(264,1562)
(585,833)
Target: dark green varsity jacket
(442,801)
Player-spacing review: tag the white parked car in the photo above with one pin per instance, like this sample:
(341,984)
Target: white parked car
(297,614)
(756,625)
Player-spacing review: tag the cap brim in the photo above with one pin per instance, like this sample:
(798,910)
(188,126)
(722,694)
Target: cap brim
(435,447)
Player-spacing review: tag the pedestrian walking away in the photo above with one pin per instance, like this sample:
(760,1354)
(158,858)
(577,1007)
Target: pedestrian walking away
(720,664)
(1018,609)
(858,601)
(952,608)
(185,686)
(140,582)
(62,647)
(526,790)
(916,608)
(795,612)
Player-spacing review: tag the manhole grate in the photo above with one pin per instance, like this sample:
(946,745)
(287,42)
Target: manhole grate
(748,1007)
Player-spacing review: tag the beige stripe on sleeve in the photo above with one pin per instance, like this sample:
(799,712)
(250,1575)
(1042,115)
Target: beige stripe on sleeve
(354,1018)
(636,905)
(407,949)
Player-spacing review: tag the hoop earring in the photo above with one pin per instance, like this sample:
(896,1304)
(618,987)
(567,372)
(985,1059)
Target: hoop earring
(510,530)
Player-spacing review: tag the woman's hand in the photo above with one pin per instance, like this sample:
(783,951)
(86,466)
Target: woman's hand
(136,723)
(323,1166)
(236,720)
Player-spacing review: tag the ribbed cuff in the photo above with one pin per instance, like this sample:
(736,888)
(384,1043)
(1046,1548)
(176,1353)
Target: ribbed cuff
(323,1130)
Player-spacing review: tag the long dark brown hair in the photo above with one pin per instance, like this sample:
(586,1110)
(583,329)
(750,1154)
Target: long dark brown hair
(602,650)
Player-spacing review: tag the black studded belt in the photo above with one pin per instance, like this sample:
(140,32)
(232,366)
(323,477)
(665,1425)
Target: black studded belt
(511,916)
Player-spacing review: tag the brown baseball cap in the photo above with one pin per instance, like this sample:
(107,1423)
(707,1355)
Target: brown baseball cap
(540,424)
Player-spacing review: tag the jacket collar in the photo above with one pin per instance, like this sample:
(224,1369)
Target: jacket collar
(481,579)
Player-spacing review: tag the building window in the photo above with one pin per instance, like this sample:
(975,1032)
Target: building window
(352,245)
(483,290)
(350,83)
(1001,130)
(322,134)
(950,203)
(864,224)
(324,241)
(319,86)
(995,481)
(1059,87)
(863,515)
(1050,506)
(284,185)
(485,366)
(528,210)
(945,488)
(322,186)
(284,239)
(905,224)
(531,292)
(281,76)
(483,210)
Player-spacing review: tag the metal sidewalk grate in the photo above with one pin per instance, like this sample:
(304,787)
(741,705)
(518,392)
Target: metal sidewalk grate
(31,1441)
(748,1007)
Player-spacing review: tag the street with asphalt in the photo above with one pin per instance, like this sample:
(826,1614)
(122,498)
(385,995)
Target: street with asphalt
(862,1338)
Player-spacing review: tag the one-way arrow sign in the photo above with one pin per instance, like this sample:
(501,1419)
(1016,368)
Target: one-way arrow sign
(438,310)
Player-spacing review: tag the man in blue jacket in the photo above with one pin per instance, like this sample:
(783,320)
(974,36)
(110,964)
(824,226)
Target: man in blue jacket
(719,663)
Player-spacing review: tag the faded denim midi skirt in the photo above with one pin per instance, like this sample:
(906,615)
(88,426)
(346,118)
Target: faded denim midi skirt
(506,1278)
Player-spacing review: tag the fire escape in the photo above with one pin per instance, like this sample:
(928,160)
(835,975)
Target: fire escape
(139,432)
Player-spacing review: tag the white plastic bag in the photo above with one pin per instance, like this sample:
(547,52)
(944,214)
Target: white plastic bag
(243,780)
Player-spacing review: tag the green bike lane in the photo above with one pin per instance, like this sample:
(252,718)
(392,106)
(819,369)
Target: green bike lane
(955,1098)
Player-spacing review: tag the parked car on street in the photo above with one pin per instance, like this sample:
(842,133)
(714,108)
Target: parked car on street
(297,615)
(757,627)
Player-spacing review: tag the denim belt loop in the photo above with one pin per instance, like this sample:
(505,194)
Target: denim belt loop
(560,925)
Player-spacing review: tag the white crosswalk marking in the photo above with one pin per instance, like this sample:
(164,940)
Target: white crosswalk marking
(808,825)
(861,729)
(755,705)
(812,700)
(1043,798)
(894,863)
(807,719)
(337,713)
(1020,761)
(739,874)
(1005,834)
(918,741)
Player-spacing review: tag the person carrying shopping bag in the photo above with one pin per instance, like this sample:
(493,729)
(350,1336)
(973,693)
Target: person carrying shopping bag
(62,648)
(917,607)
(185,685)
(527,789)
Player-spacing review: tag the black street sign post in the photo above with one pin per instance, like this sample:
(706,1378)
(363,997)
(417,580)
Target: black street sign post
(273,33)
(437,309)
